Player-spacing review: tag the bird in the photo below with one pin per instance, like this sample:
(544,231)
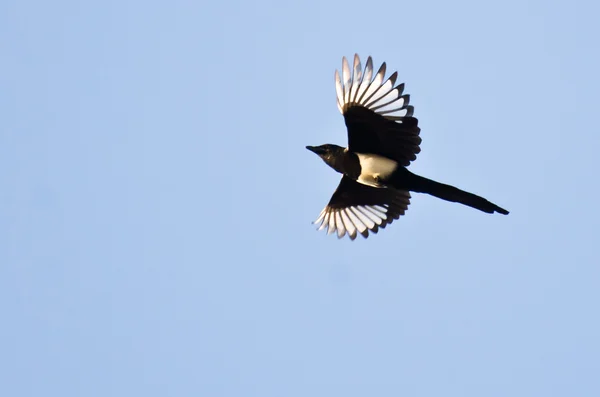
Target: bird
(383,139)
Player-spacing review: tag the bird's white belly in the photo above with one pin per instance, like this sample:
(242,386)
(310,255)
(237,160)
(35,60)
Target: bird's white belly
(375,168)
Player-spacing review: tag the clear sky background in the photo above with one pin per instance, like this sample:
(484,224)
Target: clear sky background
(156,201)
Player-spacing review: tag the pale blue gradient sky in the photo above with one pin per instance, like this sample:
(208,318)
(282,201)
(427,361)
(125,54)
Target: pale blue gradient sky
(156,201)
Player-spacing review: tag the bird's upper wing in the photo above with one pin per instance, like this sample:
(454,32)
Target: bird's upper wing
(378,117)
(357,208)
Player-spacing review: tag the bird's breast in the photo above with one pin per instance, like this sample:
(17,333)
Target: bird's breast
(375,169)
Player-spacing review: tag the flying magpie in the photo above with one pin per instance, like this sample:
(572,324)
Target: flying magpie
(383,138)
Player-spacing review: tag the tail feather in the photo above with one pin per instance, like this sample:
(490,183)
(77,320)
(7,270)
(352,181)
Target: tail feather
(450,193)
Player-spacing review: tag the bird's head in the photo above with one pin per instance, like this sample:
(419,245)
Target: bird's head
(330,154)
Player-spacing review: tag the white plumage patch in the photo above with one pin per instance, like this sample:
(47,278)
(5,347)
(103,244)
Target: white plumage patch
(363,89)
(374,167)
(352,219)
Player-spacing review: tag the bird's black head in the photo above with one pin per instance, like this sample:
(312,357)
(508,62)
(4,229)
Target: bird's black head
(331,154)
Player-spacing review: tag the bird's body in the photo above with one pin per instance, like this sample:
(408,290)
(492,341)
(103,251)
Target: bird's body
(383,138)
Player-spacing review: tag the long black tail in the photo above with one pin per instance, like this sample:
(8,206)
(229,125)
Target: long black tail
(450,193)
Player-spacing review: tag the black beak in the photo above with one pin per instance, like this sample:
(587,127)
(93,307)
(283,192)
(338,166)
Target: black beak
(315,149)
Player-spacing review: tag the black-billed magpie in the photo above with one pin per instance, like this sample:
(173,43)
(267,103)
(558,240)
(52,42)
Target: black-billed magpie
(383,138)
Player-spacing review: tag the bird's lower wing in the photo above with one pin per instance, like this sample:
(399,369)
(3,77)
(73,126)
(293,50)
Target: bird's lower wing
(356,208)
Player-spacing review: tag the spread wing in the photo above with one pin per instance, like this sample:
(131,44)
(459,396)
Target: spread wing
(357,208)
(378,117)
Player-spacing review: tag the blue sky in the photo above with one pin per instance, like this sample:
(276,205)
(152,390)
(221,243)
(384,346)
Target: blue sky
(157,199)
